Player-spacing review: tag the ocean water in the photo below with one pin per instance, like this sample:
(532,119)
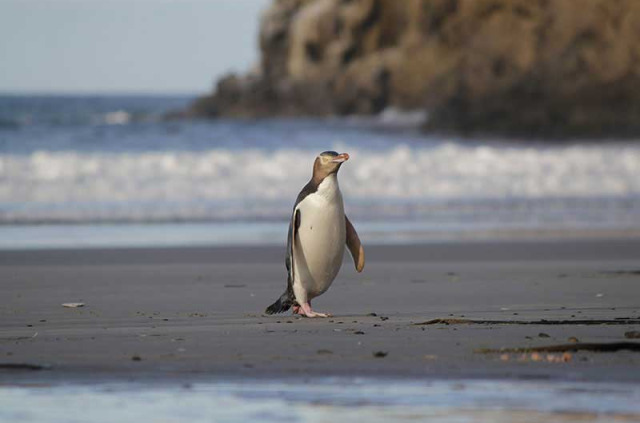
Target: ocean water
(96,166)
(323,400)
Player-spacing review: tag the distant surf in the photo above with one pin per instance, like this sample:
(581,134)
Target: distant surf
(95,160)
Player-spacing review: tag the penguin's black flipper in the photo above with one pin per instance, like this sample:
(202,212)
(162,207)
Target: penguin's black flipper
(287,299)
(294,225)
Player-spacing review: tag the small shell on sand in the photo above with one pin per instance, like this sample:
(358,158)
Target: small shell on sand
(73,305)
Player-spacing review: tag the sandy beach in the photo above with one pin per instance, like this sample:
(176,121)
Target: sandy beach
(192,313)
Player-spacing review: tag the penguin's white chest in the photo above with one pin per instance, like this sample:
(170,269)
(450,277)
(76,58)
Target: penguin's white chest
(321,239)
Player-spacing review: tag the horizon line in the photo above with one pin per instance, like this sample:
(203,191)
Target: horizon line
(110,93)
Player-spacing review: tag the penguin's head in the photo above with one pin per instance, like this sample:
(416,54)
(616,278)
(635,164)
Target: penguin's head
(327,163)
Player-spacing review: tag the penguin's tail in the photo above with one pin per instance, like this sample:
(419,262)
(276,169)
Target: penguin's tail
(283,304)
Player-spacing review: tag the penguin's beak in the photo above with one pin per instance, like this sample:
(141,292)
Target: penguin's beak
(340,158)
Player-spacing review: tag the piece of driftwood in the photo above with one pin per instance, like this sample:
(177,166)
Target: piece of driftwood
(580,346)
(24,366)
(453,321)
(72,305)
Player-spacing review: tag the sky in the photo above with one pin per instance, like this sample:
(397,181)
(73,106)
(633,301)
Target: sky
(125,46)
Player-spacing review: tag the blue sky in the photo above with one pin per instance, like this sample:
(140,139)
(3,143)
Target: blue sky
(124,46)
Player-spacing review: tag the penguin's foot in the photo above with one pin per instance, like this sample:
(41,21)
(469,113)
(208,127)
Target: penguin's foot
(305,310)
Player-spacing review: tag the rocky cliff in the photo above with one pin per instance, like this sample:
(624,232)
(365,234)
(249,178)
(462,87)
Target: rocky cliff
(531,67)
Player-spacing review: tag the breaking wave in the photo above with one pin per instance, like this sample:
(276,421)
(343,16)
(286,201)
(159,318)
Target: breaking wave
(87,159)
(254,183)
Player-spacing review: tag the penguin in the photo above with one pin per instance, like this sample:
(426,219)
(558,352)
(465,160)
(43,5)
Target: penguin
(318,233)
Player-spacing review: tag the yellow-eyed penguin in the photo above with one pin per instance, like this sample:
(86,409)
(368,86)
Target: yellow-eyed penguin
(318,232)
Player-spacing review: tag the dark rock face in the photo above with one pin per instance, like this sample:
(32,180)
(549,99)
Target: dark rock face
(531,67)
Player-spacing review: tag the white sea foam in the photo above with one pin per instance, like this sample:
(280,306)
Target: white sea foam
(447,171)
(119,117)
(396,118)
(219,182)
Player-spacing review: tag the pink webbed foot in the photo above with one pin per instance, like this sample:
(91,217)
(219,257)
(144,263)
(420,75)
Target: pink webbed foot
(305,310)
(296,309)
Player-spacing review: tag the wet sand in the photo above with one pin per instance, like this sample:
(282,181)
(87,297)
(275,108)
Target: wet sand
(190,313)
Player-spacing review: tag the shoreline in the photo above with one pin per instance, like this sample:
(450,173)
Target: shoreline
(556,248)
(181,235)
(351,400)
